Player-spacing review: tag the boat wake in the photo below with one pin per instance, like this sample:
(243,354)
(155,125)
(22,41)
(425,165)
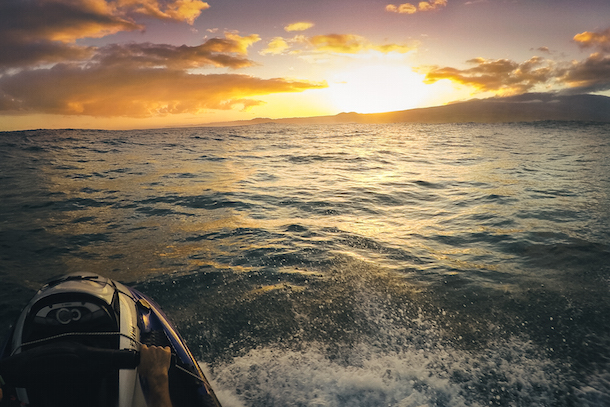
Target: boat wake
(385,372)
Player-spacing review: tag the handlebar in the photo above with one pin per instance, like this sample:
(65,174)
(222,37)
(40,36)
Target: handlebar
(64,358)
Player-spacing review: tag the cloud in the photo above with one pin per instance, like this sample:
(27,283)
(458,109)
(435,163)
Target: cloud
(593,73)
(501,76)
(506,77)
(34,32)
(408,8)
(227,52)
(179,10)
(44,70)
(300,26)
(590,75)
(342,43)
(111,91)
(40,52)
(600,40)
(237,43)
(431,5)
(276,46)
(352,44)
(68,20)
(331,43)
(64,21)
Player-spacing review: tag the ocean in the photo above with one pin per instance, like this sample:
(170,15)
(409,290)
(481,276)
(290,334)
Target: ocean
(338,265)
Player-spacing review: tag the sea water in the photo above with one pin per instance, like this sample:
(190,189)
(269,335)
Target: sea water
(338,265)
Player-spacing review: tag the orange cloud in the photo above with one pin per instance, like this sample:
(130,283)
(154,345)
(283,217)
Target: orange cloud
(342,43)
(599,40)
(408,8)
(276,46)
(43,31)
(332,43)
(179,10)
(239,44)
(352,44)
(41,52)
(300,26)
(506,77)
(128,80)
(590,75)
(65,21)
(229,52)
(113,91)
(215,52)
(500,76)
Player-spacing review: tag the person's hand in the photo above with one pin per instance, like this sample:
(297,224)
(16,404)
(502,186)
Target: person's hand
(154,365)
(154,362)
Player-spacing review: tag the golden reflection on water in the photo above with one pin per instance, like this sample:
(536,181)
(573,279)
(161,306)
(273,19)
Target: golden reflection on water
(145,210)
(106,201)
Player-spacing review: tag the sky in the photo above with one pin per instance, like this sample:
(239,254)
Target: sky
(124,64)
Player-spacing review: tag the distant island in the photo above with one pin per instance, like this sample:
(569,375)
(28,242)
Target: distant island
(528,107)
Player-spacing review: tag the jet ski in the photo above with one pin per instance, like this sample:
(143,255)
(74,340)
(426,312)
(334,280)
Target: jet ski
(77,343)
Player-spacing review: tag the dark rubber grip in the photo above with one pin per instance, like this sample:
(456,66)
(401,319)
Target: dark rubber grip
(63,358)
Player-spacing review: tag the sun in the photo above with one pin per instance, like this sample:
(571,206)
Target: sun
(377,89)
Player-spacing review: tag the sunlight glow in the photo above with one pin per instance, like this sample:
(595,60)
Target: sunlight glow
(378,88)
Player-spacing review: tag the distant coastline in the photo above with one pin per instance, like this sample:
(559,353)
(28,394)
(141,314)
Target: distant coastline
(528,107)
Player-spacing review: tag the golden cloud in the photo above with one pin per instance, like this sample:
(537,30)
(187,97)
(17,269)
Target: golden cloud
(67,20)
(431,5)
(186,10)
(43,31)
(25,22)
(240,44)
(506,77)
(500,76)
(300,26)
(408,8)
(229,52)
(599,40)
(217,52)
(590,75)
(178,10)
(276,46)
(352,44)
(41,52)
(113,92)
(342,43)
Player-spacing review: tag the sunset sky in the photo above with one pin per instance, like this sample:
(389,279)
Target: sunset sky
(154,63)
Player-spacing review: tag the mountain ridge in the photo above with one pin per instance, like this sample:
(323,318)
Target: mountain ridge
(527,107)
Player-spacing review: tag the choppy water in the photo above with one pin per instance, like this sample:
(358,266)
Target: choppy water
(351,265)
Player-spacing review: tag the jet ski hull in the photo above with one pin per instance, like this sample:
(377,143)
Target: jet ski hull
(80,337)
